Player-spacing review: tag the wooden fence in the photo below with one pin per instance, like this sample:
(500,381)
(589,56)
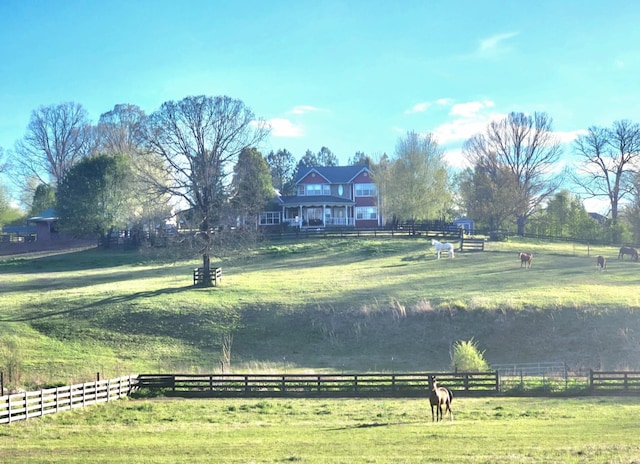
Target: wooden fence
(614,382)
(310,385)
(472,244)
(200,277)
(21,406)
(337,232)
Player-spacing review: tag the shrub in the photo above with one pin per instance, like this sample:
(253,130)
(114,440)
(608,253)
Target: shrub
(467,357)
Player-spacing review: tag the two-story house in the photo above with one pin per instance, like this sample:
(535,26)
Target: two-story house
(328,196)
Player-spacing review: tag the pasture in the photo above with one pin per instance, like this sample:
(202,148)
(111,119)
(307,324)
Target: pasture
(504,430)
(334,305)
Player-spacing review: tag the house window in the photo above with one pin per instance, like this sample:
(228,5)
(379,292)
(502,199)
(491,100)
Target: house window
(314,189)
(366,212)
(269,218)
(366,190)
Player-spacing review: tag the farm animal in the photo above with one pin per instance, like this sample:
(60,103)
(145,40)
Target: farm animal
(439,397)
(601,262)
(440,247)
(628,251)
(525,259)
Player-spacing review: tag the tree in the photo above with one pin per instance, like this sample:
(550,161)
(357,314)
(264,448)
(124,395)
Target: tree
(486,191)
(120,130)
(58,136)
(565,216)
(92,198)
(197,141)
(610,160)
(282,166)
(43,198)
(4,164)
(309,159)
(415,184)
(325,157)
(360,159)
(251,185)
(526,146)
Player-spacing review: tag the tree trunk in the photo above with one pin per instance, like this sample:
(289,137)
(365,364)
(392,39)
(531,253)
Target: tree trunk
(206,270)
(521,222)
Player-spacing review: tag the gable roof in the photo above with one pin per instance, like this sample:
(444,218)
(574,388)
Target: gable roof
(332,174)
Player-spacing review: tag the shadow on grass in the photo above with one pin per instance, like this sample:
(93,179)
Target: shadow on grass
(35,315)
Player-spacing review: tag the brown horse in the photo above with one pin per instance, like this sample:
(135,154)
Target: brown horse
(525,259)
(601,262)
(628,251)
(439,396)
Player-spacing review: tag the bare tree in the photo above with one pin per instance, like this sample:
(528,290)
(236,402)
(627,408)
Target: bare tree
(526,146)
(120,130)
(4,164)
(198,139)
(610,160)
(57,137)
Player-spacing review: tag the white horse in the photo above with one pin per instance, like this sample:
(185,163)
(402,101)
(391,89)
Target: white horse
(440,247)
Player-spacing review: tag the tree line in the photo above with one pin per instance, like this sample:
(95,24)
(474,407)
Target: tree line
(133,170)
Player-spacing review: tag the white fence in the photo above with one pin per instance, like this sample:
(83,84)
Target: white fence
(21,406)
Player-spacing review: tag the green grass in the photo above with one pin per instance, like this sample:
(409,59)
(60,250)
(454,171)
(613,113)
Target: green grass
(593,430)
(318,306)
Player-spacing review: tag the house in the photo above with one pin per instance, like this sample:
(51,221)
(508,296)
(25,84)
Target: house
(42,228)
(327,196)
(46,224)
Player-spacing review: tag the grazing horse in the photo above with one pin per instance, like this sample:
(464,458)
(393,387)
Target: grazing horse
(628,251)
(440,247)
(601,262)
(439,396)
(525,259)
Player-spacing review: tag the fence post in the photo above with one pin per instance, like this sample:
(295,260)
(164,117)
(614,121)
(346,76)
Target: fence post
(1,383)
(591,379)
(497,380)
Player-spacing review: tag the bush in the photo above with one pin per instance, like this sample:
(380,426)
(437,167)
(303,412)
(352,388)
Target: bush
(467,358)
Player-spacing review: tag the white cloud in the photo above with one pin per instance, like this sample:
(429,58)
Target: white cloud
(495,45)
(303,109)
(568,136)
(470,109)
(455,159)
(281,127)
(418,108)
(424,106)
(470,118)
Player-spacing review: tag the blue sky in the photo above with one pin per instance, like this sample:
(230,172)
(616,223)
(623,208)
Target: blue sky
(349,75)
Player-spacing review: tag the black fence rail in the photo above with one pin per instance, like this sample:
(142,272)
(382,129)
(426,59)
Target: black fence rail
(614,382)
(350,232)
(306,385)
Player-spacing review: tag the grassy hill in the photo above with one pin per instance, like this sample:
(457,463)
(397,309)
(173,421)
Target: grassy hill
(350,305)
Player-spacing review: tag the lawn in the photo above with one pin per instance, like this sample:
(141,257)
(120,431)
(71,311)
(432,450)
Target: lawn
(540,430)
(334,305)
